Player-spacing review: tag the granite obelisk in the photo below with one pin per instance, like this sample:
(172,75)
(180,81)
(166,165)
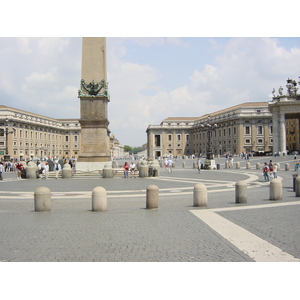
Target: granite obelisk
(94,97)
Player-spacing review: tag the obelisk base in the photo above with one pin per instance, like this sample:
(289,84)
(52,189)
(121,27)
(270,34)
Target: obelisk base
(90,166)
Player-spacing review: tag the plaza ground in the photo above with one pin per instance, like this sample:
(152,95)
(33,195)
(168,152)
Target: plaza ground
(175,232)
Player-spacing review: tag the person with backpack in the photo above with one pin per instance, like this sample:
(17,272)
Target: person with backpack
(266,172)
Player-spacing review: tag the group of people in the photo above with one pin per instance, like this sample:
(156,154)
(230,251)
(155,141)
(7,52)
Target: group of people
(270,170)
(168,164)
(129,168)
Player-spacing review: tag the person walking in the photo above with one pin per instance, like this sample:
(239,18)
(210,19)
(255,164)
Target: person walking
(170,163)
(46,171)
(166,164)
(266,172)
(57,169)
(271,168)
(1,170)
(275,169)
(199,164)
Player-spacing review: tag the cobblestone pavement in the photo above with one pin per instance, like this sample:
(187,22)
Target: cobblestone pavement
(128,232)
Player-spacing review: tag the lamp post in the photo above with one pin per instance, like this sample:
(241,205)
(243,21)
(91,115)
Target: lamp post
(209,162)
(7,132)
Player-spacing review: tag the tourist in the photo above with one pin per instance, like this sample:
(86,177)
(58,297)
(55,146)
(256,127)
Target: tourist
(19,168)
(275,169)
(1,170)
(271,167)
(126,169)
(57,169)
(46,171)
(199,164)
(132,169)
(170,163)
(266,172)
(166,164)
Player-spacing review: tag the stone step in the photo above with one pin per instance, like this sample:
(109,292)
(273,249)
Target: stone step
(92,175)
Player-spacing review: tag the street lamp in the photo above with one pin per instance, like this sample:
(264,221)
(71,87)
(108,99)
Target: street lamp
(209,162)
(7,132)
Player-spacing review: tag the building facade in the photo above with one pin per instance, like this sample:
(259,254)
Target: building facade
(242,128)
(26,135)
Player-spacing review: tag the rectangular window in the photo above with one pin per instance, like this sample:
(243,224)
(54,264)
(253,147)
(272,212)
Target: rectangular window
(178,137)
(170,137)
(157,140)
(259,129)
(247,130)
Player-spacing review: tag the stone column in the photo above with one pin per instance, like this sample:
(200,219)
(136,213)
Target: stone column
(282,134)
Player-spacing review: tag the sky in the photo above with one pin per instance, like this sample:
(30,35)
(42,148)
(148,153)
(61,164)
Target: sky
(150,78)
(162,61)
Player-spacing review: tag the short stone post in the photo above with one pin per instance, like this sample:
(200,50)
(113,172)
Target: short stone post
(107,171)
(115,164)
(287,166)
(66,171)
(31,169)
(42,199)
(173,164)
(297,186)
(226,165)
(194,165)
(152,197)
(278,166)
(276,189)
(183,164)
(241,192)
(143,170)
(247,165)
(99,199)
(200,195)
(156,168)
(257,166)
(237,165)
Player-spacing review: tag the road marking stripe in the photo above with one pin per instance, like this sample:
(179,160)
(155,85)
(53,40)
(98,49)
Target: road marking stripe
(255,247)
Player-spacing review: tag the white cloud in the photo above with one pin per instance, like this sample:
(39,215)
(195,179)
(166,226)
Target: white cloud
(44,73)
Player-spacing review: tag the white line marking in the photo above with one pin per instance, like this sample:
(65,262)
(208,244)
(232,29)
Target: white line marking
(255,247)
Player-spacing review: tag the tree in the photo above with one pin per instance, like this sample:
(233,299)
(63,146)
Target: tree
(128,149)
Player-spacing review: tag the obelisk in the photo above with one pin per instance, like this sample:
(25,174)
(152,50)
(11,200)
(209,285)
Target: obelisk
(94,97)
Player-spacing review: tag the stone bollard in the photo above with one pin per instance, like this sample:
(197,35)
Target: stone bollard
(152,197)
(200,195)
(183,164)
(257,166)
(226,165)
(194,165)
(287,166)
(31,169)
(66,171)
(241,192)
(107,171)
(42,199)
(173,165)
(143,170)
(247,165)
(156,168)
(276,189)
(278,166)
(99,199)
(297,186)
(237,165)
(115,164)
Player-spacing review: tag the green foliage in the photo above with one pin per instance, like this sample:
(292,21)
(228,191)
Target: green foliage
(132,150)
